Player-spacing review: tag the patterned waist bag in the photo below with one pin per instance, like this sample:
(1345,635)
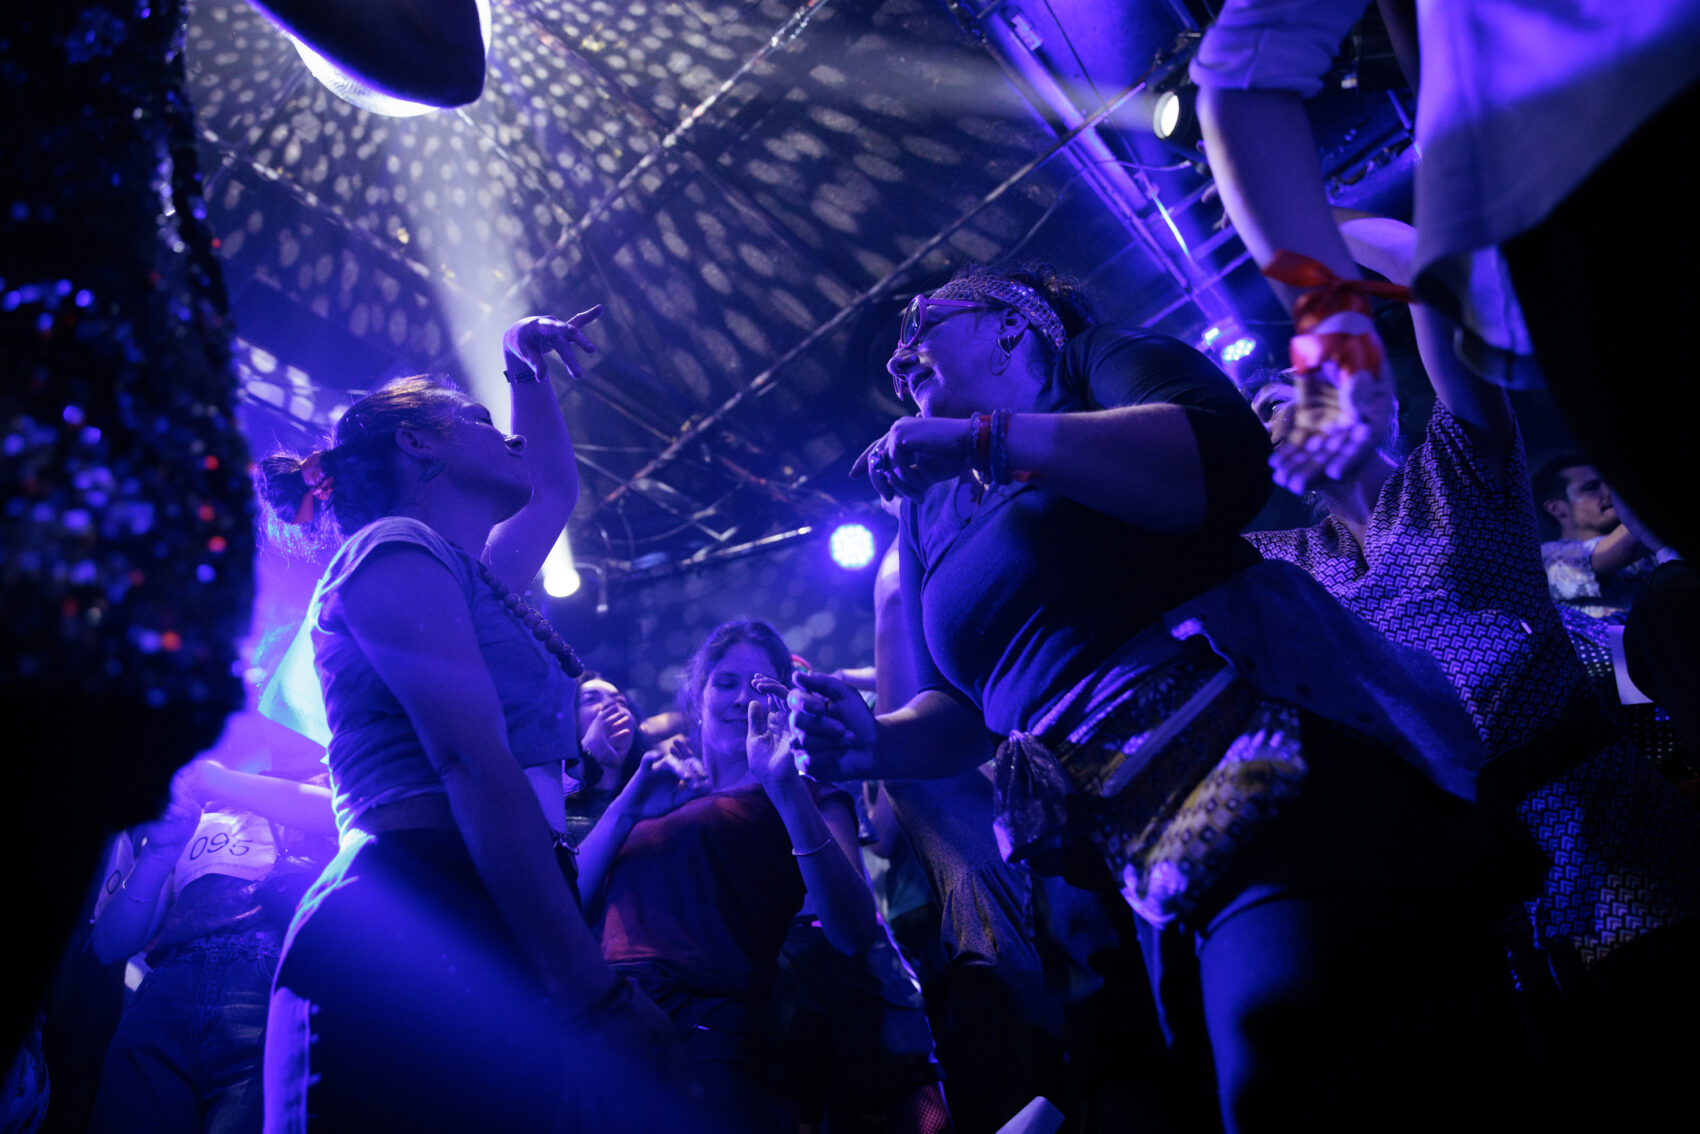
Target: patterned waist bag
(1165,760)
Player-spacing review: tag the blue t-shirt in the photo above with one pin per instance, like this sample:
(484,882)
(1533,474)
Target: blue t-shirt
(1026,592)
(375,754)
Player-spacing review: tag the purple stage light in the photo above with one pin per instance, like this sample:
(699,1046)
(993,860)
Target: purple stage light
(852,546)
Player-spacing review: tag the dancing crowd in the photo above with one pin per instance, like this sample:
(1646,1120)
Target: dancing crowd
(1139,821)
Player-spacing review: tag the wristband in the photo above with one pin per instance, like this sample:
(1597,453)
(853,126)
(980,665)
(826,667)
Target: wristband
(523,374)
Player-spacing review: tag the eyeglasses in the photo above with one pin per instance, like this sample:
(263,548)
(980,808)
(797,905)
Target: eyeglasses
(914,321)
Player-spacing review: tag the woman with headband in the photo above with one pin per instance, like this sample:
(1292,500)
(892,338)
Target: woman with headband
(1271,783)
(439,974)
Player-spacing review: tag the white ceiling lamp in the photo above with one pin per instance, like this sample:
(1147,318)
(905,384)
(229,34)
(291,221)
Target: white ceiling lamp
(352,89)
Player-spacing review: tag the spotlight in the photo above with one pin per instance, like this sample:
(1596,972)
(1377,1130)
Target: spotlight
(1228,340)
(561,583)
(1174,120)
(1167,117)
(560,578)
(354,90)
(1237,351)
(852,546)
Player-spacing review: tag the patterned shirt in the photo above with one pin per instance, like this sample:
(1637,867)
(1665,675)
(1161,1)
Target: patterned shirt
(1449,566)
(1646,725)
(1571,579)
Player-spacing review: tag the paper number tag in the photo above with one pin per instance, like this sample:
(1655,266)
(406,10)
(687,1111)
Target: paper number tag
(235,843)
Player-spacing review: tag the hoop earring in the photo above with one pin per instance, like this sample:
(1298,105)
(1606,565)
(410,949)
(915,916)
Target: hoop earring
(432,468)
(999,361)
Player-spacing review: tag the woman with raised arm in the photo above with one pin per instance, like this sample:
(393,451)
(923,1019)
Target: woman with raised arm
(1271,782)
(439,974)
(694,874)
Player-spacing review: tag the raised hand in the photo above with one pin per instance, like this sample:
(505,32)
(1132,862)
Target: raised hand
(771,754)
(666,779)
(915,454)
(834,725)
(1331,437)
(610,733)
(531,339)
(1340,374)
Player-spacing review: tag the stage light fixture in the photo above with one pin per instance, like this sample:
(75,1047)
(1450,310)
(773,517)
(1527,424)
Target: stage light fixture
(1174,120)
(1241,347)
(852,546)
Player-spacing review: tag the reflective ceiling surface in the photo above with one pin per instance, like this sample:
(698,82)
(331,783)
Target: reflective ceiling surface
(752,189)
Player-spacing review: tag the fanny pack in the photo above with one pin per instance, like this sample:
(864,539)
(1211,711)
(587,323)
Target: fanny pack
(1164,759)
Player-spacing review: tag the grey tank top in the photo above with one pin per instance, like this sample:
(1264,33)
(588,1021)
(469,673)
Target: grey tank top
(375,755)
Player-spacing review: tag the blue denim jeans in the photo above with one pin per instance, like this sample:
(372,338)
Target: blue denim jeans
(186,1055)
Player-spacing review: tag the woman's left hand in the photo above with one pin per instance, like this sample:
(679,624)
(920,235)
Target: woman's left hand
(915,454)
(531,339)
(768,745)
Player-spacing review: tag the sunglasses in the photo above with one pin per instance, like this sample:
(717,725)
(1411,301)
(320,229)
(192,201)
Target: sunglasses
(915,315)
(915,320)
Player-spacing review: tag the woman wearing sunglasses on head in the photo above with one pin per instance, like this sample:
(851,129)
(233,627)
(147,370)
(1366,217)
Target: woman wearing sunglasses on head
(1260,772)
